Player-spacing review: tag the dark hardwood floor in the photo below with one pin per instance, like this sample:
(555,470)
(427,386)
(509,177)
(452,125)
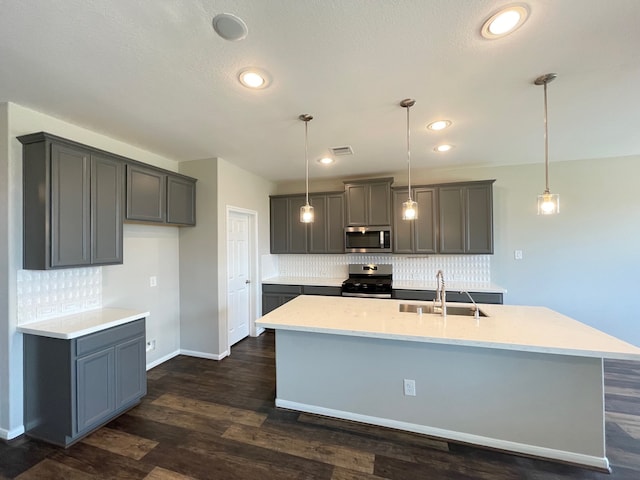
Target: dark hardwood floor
(204,419)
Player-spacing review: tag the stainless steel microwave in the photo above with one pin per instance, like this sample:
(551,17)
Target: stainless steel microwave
(367,239)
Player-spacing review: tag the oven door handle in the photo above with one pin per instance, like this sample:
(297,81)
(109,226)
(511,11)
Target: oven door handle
(366,295)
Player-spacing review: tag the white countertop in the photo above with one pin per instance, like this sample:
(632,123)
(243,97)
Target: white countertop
(508,327)
(79,324)
(316,281)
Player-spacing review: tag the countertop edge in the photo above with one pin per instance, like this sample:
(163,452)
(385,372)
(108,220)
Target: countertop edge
(455,342)
(43,331)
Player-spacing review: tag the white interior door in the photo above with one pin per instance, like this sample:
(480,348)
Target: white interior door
(239,276)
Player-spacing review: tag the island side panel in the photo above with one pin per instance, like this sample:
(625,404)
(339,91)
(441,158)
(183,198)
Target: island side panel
(553,403)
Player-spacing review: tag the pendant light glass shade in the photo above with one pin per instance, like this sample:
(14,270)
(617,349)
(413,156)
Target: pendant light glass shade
(548,203)
(409,208)
(306,211)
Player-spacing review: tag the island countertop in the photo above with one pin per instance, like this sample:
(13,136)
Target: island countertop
(72,326)
(508,327)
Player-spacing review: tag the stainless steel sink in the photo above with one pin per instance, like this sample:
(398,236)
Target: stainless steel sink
(430,308)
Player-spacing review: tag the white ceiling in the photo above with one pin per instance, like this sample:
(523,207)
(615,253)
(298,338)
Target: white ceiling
(153,73)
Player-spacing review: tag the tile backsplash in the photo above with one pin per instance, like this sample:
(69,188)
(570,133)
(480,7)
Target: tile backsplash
(458,268)
(45,294)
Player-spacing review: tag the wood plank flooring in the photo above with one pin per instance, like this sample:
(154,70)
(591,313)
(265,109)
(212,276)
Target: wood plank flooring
(204,419)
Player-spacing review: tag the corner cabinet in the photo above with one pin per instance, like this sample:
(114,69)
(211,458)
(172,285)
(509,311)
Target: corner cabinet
(466,218)
(72,387)
(368,202)
(324,235)
(157,196)
(420,235)
(72,204)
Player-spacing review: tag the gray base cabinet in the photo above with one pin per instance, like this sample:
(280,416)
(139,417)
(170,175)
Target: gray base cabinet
(453,296)
(73,387)
(276,295)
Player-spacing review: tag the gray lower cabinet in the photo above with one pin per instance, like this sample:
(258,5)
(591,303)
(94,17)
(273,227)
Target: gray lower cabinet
(72,204)
(420,235)
(276,295)
(368,202)
(452,296)
(466,218)
(73,387)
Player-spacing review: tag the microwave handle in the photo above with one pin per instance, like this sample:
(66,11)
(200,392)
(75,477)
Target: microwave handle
(381,238)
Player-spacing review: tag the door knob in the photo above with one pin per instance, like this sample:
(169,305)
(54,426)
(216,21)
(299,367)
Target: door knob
(247,281)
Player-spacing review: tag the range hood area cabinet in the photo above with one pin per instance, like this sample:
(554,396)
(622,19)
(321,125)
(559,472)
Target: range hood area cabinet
(324,235)
(157,196)
(72,204)
(466,218)
(368,202)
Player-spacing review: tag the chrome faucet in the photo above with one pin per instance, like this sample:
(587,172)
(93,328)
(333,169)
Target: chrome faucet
(476,310)
(441,293)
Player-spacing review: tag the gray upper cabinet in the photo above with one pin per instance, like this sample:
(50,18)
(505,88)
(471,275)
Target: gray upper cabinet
(181,201)
(420,235)
(72,204)
(288,234)
(107,205)
(146,194)
(157,196)
(368,202)
(466,217)
(324,235)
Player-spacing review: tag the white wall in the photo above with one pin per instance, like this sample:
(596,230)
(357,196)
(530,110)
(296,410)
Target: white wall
(584,262)
(242,189)
(199,265)
(147,249)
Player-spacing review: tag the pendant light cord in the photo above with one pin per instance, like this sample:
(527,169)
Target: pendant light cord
(546,142)
(306,155)
(408,154)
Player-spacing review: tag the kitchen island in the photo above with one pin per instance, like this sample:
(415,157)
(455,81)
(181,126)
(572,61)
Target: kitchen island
(522,379)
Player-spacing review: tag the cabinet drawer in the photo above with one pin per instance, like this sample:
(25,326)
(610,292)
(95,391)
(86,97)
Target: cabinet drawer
(318,290)
(96,341)
(281,289)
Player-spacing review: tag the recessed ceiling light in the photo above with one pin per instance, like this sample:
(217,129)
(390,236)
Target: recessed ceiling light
(445,147)
(505,21)
(439,125)
(230,27)
(254,78)
(325,160)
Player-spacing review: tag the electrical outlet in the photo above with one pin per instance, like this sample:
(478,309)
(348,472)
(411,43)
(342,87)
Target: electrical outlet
(153,281)
(409,387)
(517,254)
(151,345)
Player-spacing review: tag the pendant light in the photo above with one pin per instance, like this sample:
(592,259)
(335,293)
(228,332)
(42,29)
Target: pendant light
(409,208)
(548,203)
(306,211)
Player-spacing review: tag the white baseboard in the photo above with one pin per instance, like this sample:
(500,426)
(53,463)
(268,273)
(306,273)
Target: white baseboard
(157,362)
(11,434)
(532,450)
(259,331)
(210,356)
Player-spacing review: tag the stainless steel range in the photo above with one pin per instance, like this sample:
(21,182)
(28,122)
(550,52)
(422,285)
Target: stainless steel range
(368,280)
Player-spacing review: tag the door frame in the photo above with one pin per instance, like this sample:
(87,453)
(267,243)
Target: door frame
(254,291)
